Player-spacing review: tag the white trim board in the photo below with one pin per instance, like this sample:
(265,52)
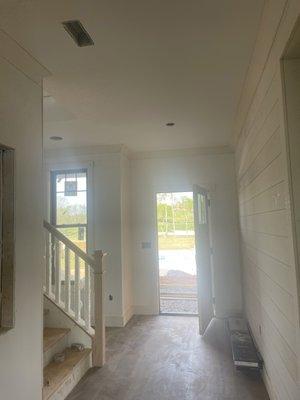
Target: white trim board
(71,153)
(145,310)
(194,151)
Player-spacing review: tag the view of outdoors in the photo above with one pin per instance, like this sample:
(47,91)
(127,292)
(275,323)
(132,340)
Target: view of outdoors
(70,205)
(69,215)
(176,242)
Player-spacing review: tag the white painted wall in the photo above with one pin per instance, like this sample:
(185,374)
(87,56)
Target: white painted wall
(108,217)
(107,230)
(269,270)
(291,71)
(21,128)
(124,216)
(175,172)
(127,273)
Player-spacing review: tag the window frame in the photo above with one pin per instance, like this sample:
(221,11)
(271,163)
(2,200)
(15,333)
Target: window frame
(53,200)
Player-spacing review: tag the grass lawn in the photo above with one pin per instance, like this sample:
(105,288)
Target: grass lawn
(175,242)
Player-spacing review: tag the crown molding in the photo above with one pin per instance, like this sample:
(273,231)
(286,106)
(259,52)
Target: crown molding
(85,151)
(195,151)
(93,151)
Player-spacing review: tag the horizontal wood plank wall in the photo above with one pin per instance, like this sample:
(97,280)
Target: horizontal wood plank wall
(269,273)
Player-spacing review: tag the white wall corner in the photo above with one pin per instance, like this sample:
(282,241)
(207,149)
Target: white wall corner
(128,314)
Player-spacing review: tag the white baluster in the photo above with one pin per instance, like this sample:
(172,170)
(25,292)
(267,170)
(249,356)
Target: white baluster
(87,297)
(48,265)
(57,272)
(67,279)
(77,288)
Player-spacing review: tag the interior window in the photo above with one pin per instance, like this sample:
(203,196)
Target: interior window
(69,204)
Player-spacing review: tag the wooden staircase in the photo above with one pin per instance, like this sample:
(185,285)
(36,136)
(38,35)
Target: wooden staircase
(61,378)
(73,287)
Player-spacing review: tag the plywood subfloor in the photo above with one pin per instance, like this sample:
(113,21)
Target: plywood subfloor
(56,373)
(164,358)
(52,336)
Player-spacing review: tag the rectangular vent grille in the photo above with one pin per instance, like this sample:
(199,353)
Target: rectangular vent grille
(76,30)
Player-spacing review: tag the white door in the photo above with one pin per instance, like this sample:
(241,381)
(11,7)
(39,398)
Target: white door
(203,258)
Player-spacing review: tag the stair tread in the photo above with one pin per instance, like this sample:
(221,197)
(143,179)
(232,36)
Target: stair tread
(56,373)
(52,335)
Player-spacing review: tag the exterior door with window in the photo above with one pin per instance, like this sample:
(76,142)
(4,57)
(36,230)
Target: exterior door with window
(203,258)
(69,204)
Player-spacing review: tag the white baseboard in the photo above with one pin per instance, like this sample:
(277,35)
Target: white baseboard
(228,313)
(128,315)
(114,321)
(145,310)
(119,321)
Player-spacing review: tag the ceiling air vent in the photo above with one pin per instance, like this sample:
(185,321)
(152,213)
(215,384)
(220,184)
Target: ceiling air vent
(78,33)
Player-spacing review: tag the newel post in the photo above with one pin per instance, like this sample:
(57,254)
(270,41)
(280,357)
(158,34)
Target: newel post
(99,338)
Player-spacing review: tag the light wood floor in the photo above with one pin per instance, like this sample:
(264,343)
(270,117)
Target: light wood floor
(164,358)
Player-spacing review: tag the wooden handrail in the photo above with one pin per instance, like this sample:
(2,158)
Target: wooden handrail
(72,246)
(54,257)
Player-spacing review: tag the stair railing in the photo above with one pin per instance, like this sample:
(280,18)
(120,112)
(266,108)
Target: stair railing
(74,282)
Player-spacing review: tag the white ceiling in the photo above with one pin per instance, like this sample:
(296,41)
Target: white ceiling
(154,61)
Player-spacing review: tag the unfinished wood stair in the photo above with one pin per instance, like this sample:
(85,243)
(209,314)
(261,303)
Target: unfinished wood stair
(73,298)
(61,378)
(52,336)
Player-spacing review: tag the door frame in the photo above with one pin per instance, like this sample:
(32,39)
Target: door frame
(188,189)
(197,189)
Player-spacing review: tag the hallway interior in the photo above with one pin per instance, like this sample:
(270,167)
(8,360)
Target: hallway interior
(110,111)
(164,358)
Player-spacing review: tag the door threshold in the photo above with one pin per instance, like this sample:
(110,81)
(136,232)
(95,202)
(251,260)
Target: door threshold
(178,314)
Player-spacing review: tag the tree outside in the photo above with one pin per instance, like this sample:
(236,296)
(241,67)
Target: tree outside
(176,241)
(175,221)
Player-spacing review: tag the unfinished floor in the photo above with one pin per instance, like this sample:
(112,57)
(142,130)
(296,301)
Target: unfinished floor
(164,358)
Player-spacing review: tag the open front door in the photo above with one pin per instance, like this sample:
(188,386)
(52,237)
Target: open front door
(203,258)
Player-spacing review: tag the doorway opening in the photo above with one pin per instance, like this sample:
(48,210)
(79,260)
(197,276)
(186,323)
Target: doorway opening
(176,253)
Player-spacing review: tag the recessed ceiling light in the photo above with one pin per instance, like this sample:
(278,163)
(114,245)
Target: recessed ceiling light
(170,123)
(56,138)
